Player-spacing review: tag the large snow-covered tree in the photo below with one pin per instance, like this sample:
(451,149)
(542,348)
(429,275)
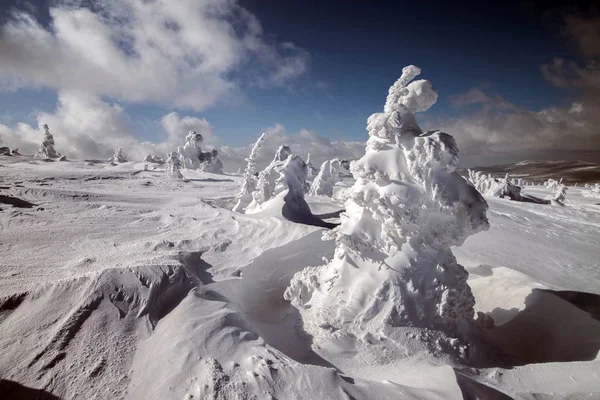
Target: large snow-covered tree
(329,175)
(393,263)
(192,156)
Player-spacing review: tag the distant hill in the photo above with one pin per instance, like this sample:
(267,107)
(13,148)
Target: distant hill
(537,171)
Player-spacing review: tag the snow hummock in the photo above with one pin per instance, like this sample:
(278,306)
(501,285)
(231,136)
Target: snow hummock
(46,150)
(244,198)
(329,175)
(193,157)
(393,265)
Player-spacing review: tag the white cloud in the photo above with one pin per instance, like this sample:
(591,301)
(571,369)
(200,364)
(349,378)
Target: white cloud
(183,53)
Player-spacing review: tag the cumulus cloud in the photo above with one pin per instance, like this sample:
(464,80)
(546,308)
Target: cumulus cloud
(183,53)
(489,129)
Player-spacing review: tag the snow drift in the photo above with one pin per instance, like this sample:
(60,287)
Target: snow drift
(393,264)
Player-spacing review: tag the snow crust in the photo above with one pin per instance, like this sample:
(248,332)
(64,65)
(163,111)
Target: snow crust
(393,266)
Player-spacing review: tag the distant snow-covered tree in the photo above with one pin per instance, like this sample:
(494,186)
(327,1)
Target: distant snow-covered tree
(46,150)
(329,175)
(174,166)
(244,197)
(192,156)
(153,158)
(119,156)
(311,171)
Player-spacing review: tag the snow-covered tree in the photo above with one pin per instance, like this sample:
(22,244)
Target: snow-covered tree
(267,178)
(311,171)
(174,166)
(393,263)
(495,187)
(328,176)
(244,197)
(119,156)
(560,193)
(192,156)
(46,150)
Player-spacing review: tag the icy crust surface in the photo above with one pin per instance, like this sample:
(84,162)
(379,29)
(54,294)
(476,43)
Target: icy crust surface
(393,265)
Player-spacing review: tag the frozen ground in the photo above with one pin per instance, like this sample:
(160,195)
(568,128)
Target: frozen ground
(121,283)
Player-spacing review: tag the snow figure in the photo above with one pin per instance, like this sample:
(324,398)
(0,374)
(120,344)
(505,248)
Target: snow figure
(46,150)
(393,264)
(244,197)
(311,171)
(174,166)
(192,156)
(328,176)
(267,179)
(119,156)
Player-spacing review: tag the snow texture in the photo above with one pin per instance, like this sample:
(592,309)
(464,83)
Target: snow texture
(329,175)
(244,198)
(46,150)
(393,264)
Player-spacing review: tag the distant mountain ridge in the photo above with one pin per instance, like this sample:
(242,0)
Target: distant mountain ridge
(537,171)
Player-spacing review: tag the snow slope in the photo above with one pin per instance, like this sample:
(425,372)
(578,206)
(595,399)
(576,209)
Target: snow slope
(121,283)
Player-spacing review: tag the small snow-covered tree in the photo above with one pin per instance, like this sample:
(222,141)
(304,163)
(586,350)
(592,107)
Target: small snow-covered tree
(393,265)
(495,187)
(329,175)
(119,156)
(244,197)
(560,193)
(153,158)
(46,150)
(174,166)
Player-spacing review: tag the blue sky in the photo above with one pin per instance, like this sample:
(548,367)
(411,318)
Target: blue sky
(354,52)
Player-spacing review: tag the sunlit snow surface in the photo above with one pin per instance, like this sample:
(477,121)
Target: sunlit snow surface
(117,282)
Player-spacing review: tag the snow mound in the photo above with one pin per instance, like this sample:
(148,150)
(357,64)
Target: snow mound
(192,156)
(46,150)
(393,265)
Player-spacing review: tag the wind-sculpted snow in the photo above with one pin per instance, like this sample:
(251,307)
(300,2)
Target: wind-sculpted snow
(244,198)
(46,150)
(393,265)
